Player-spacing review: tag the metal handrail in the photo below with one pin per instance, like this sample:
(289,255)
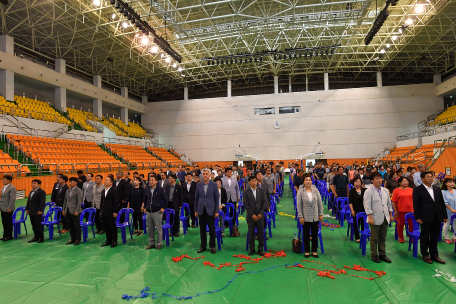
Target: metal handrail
(118,163)
(58,167)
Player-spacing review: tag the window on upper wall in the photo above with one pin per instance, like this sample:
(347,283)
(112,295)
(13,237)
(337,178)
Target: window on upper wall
(288,110)
(264,111)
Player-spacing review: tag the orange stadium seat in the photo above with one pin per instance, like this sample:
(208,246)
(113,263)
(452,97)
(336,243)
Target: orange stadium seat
(134,155)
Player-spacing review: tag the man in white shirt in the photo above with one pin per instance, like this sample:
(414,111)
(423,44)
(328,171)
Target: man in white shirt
(417,176)
(233,193)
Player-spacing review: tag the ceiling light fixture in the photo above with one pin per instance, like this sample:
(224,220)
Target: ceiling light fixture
(409,21)
(144,40)
(125,24)
(154,49)
(419,8)
(113,16)
(388,45)
(167,60)
(394,38)
(96,2)
(180,69)
(382,51)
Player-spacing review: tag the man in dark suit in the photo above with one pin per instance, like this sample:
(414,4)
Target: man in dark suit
(430,212)
(123,188)
(155,200)
(109,207)
(35,207)
(168,172)
(55,189)
(188,191)
(207,206)
(58,197)
(255,203)
(81,178)
(175,196)
(163,182)
(72,208)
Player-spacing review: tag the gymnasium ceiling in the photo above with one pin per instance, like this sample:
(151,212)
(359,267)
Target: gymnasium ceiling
(85,35)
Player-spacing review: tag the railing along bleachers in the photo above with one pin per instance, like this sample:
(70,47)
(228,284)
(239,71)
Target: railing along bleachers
(135,156)
(63,155)
(397,154)
(166,155)
(80,117)
(11,166)
(109,124)
(447,116)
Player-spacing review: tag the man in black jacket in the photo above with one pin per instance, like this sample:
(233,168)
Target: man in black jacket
(81,178)
(123,188)
(255,203)
(109,207)
(188,191)
(35,207)
(58,196)
(429,209)
(174,193)
(155,200)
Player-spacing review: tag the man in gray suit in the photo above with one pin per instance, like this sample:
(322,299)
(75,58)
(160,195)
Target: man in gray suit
(7,206)
(255,203)
(87,192)
(207,206)
(72,209)
(377,204)
(233,195)
(163,182)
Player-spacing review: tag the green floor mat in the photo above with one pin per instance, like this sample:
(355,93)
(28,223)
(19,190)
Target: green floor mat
(53,272)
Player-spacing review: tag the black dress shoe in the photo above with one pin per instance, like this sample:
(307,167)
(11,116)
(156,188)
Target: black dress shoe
(159,247)
(33,240)
(176,234)
(7,239)
(314,256)
(40,241)
(201,250)
(260,253)
(114,244)
(77,242)
(150,247)
(384,258)
(97,231)
(193,226)
(213,250)
(427,260)
(2,239)
(106,244)
(251,252)
(101,232)
(70,242)
(375,259)
(438,260)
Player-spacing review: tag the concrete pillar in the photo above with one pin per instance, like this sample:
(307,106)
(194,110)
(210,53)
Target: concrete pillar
(437,79)
(185,93)
(276,84)
(124,92)
(307,83)
(144,99)
(379,79)
(124,115)
(7,77)
(229,88)
(7,44)
(97,81)
(97,108)
(60,99)
(289,84)
(60,66)
(326,81)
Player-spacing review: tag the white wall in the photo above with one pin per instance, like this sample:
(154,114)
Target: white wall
(349,123)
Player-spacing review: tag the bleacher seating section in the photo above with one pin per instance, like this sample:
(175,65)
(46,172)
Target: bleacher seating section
(133,130)
(61,151)
(80,117)
(395,154)
(411,155)
(446,116)
(166,155)
(7,165)
(110,126)
(6,106)
(38,110)
(133,154)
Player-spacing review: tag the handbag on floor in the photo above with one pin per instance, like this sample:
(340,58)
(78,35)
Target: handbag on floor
(296,246)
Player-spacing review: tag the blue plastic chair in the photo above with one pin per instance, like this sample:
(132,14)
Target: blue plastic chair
(228,217)
(17,222)
(264,236)
(453,218)
(350,186)
(90,221)
(272,211)
(320,237)
(184,218)
(219,225)
(53,218)
(364,234)
(128,221)
(341,203)
(167,226)
(144,219)
(47,206)
(350,222)
(415,235)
